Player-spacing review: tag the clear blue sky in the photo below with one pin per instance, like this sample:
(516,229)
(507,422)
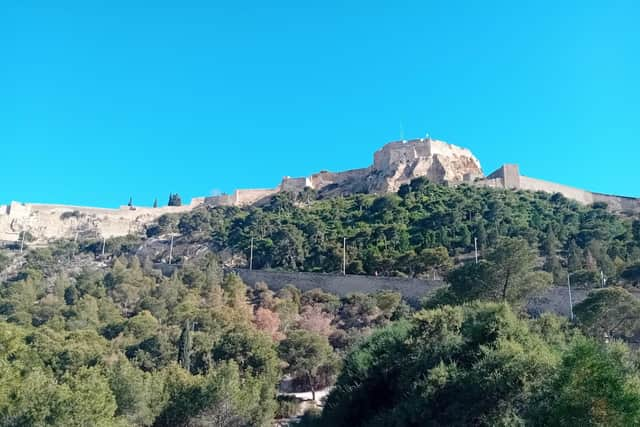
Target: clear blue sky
(100,100)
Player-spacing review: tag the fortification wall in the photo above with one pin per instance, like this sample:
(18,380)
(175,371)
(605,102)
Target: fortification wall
(620,203)
(508,176)
(576,194)
(294,185)
(322,180)
(400,151)
(249,197)
(241,197)
(46,221)
(221,200)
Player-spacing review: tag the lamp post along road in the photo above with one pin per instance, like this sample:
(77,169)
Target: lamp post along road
(344,256)
(171,250)
(251,256)
(475,247)
(570,299)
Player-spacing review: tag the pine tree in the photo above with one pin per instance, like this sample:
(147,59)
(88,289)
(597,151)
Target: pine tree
(574,256)
(155,202)
(130,204)
(184,356)
(175,199)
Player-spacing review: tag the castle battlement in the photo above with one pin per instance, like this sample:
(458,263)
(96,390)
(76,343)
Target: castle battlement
(416,149)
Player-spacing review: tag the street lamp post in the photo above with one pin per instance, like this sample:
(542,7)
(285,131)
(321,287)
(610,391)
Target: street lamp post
(570,299)
(344,256)
(251,255)
(171,250)
(475,247)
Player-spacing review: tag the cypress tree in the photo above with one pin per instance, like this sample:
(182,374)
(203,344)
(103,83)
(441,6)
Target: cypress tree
(184,356)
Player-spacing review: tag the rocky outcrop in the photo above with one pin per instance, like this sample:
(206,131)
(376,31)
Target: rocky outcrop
(398,163)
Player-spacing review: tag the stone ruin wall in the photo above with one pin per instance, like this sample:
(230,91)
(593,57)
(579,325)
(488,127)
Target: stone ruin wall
(241,197)
(47,222)
(294,185)
(393,153)
(249,197)
(533,184)
(508,177)
(353,180)
(619,203)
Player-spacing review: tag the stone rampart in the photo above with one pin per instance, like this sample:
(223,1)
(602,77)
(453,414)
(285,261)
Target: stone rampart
(249,197)
(532,184)
(46,222)
(241,197)
(508,176)
(407,151)
(619,203)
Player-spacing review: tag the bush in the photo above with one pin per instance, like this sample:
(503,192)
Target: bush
(288,406)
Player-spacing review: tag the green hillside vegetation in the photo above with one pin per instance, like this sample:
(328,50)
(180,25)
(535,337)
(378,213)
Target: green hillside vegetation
(87,340)
(480,365)
(418,231)
(127,346)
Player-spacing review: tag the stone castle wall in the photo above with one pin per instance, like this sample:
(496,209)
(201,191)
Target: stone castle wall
(533,184)
(407,151)
(241,197)
(46,222)
(295,185)
(508,177)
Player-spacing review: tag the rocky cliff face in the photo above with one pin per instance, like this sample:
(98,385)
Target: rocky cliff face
(398,163)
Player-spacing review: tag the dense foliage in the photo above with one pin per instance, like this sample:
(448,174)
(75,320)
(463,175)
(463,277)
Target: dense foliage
(127,346)
(108,340)
(478,364)
(418,230)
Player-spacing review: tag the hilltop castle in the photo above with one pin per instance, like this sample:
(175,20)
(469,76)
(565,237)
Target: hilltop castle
(394,164)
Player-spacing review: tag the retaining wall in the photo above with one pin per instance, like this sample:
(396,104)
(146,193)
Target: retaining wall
(554,300)
(411,289)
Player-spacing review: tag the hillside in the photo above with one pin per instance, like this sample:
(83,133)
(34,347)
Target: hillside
(394,165)
(193,345)
(422,229)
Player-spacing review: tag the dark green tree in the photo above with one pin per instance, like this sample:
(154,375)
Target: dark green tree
(184,352)
(596,385)
(612,312)
(307,355)
(174,200)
